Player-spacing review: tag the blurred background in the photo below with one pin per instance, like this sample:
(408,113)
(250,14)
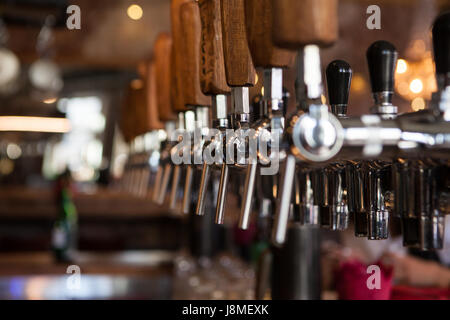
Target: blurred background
(61,94)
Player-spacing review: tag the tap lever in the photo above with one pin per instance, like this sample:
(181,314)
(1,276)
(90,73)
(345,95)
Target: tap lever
(174,187)
(382,60)
(162,52)
(239,68)
(248,195)
(259,22)
(339,77)
(191,30)
(299,23)
(200,208)
(312,71)
(221,197)
(157,183)
(212,71)
(187,190)
(177,57)
(164,183)
(441,45)
(282,212)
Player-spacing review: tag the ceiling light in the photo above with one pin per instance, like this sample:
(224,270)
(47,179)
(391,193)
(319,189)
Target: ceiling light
(34,124)
(135,12)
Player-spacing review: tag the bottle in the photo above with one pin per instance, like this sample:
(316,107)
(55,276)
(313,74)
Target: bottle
(64,233)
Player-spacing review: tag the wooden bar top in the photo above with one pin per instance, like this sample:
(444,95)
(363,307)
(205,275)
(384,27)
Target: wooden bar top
(19,202)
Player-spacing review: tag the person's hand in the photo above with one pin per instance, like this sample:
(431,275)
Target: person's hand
(416,272)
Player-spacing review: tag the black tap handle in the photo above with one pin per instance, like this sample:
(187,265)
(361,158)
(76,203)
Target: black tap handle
(339,77)
(441,44)
(382,59)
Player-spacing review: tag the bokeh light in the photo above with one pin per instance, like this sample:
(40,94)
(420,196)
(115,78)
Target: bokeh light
(135,12)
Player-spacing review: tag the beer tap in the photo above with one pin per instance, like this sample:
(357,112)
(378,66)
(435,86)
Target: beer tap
(240,74)
(339,75)
(142,99)
(310,146)
(162,51)
(307,145)
(419,185)
(192,104)
(194,98)
(154,111)
(272,59)
(180,92)
(382,61)
(432,220)
(419,141)
(303,25)
(213,83)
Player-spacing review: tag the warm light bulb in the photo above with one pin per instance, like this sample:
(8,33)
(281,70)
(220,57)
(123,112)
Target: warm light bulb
(137,84)
(49,100)
(358,83)
(135,12)
(418,104)
(402,66)
(416,86)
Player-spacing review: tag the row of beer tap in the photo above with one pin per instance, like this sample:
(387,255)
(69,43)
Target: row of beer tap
(373,168)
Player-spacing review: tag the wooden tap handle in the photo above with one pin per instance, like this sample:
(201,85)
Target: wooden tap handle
(152,115)
(146,98)
(212,67)
(134,104)
(299,23)
(177,95)
(137,101)
(161,54)
(126,117)
(191,31)
(239,67)
(259,22)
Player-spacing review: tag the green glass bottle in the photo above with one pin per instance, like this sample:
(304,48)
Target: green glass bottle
(64,234)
